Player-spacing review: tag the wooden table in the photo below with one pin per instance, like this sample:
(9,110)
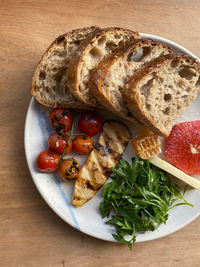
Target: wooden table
(30,233)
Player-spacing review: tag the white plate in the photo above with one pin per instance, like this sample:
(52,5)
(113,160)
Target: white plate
(58,194)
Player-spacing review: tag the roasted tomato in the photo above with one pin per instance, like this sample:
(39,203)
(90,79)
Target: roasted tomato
(58,143)
(61,120)
(47,161)
(69,169)
(90,123)
(83,144)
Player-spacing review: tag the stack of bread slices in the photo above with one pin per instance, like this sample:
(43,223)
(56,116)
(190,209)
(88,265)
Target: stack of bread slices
(140,80)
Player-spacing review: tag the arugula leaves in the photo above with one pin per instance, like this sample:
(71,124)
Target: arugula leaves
(138,199)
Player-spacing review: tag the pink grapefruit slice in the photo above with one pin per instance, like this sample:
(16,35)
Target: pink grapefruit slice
(183,147)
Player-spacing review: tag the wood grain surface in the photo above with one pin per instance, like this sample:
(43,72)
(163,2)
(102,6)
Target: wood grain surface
(30,233)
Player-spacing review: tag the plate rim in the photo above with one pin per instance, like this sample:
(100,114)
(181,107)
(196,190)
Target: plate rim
(49,203)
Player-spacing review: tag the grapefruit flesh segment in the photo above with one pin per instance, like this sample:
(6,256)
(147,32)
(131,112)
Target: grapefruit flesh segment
(183,147)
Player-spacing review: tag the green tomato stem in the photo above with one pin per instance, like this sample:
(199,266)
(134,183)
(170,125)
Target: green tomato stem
(63,154)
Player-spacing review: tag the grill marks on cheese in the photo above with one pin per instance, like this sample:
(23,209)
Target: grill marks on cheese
(98,167)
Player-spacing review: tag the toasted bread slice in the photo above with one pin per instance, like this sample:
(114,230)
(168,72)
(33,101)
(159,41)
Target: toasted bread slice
(159,92)
(91,51)
(109,78)
(49,85)
(98,167)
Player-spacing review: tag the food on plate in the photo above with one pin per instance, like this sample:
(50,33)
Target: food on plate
(141,81)
(90,123)
(62,158)
(138,199)
(109,78)
(49,84)
(183,147)
(147,146)
(69,169)
(87,56)
(170,169)
(60,145)
(83,144)
(61,120)
(47,161)
(57,143)
(146,143)
(161,90)
(98,167)
(113,64)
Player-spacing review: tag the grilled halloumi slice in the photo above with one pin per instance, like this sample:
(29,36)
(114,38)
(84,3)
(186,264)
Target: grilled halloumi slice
(98,167)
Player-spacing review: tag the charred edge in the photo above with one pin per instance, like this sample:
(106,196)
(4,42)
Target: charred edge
(107,172)
(89,185)
(129,113)
(117,158)
(108,139)
(103,150)
(154,43)
(60,127)
(130,46)
(60,38)
(121,29)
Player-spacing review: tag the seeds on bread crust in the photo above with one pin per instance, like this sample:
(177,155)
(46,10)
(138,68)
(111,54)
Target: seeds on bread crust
(91,51)
(49,81)
(109,78)
(160,91)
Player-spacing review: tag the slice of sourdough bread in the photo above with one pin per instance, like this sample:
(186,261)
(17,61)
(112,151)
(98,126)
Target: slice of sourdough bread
(160,91)
(91,51)
(109,78)
(49,85)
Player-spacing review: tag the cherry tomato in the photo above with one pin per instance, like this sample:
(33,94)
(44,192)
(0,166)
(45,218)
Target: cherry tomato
(58,143)
(61,120)
(83,144)
(47,161)
(69,169)
(90,123)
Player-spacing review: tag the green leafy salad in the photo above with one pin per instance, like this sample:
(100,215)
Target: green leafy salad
(138,199)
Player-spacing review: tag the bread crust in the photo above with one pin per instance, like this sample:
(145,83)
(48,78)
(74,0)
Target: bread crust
(131,96)
(74,65)
(96,83)
(59,40)
(99,74)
